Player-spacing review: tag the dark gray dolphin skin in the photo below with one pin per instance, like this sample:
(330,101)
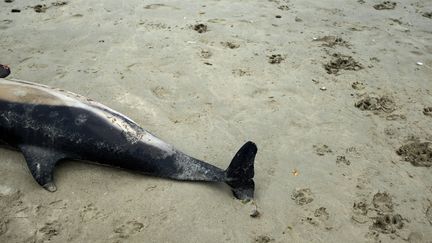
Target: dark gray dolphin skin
(4,71)
(49,125)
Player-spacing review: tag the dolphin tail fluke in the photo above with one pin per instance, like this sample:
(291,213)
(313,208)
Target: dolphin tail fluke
(240,173)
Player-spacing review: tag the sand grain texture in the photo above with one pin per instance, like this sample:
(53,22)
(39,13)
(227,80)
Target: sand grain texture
(189,87)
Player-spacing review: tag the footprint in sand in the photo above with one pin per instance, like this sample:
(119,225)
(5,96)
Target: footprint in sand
(320,217)
(376,104)
(322,149)
(332,41)
(360,210)
(206,54)
(241,72)
(89,212)
(340,159)
(49,230)
(302,196)
(382,202)
(284,7)
(276,59)
(200,28)
(380,214)
(386,5)
(161,92)
(427,111)
(429,214)
(129,228)
(263,239)
(154,6)
(341,62)
(358,85)
(322,213)
(417,153)
(388,223)
(230,45)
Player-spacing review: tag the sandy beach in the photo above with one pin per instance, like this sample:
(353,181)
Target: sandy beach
(337,95)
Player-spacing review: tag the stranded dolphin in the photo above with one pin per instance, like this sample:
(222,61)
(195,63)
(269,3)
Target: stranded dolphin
(49,125)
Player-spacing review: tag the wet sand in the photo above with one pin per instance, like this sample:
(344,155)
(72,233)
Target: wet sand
(336,94)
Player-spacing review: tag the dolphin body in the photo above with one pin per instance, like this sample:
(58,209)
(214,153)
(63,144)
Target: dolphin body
(49,125)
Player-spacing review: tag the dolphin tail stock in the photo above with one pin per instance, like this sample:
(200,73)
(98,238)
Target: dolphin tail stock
(239,174)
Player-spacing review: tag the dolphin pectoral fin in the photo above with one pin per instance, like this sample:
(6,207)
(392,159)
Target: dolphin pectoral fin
(41,162)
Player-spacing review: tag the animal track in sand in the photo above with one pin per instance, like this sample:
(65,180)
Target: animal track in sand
(89,212)
(429,214)
(380,213)
(427,15)
(276,59)
(376,103)
(417,153)
(332,41)
(392,132)
(160,92)
(10,200)
(59,3)
(200,28)
(150,25)
(42,8)
(230,45)
(241,72)
(341,62)
(385,5)
(360,208)
(340,159)
(263,239)
(358,85)
(284,7)
(427,111)
(302,196)
(322,213)
(206,54)
(394,117)
(320,217)
(387,223)
(159,5)
(129,228)
(154,6)
(382,202)
(3,226)
(322,149)
(49,230)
